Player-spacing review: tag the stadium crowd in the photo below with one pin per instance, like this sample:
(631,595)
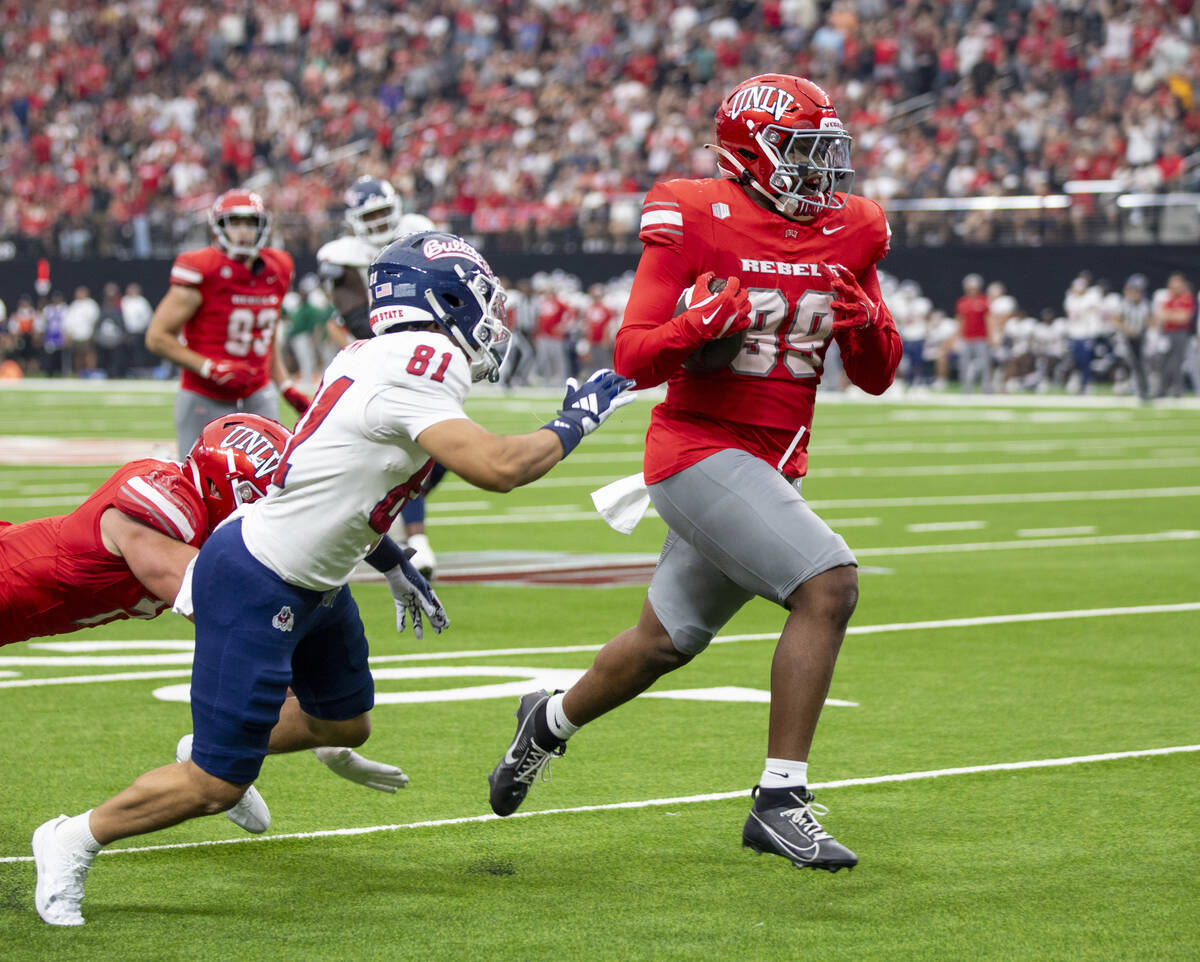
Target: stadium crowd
(540,123)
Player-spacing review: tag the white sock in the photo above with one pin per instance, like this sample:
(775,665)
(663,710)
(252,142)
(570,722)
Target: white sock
(557,719)
(75,833)
(784,773)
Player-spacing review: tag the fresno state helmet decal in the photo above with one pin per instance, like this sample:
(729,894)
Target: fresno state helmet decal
(435,248)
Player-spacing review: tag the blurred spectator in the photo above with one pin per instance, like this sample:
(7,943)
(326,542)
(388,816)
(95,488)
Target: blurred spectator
(522,321)
(1002,309)
(1132,323)
(110,338)
(310,310)
(1081,306)
(82,314)
(1175,317)
(55,357)
(24,327)
(135,314)
(971,313)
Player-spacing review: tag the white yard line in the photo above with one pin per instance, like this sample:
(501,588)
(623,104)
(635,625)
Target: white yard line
(979,621)
(946,526)
(1055,532)
(653,802)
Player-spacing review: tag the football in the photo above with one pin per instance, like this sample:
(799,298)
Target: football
(714,355)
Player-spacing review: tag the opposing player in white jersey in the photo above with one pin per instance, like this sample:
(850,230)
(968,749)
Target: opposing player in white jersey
(268,588)
(375,217)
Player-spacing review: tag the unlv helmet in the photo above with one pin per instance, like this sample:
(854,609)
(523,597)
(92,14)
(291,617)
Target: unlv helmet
(232,461)
(780,135)
(237,205)
(434,277)
(373,210)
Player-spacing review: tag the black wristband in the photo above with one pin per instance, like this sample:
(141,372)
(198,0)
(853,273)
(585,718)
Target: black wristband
(568,425)
(386,556)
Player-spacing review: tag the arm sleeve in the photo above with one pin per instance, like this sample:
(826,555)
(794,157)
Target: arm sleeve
(188,269)
(871,354)
(165,502)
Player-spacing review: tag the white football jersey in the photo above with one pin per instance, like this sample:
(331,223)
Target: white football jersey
(354,459)
(349,251)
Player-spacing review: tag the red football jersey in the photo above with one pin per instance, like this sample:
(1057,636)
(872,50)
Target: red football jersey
(1179,302)
(55,573)
(239,312)
(767,392)
(972,309)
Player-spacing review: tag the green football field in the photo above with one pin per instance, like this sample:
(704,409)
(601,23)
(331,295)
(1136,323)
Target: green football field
(1012,745)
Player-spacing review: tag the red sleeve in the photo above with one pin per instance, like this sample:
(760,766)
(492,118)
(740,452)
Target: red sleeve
(189,268)
(650,345)
(166,501)
(871,354)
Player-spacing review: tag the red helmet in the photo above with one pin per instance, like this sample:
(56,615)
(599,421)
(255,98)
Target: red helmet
(232,461)
(239,204)
(781,136)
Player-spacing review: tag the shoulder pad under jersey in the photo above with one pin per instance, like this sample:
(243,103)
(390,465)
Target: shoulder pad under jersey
(347,251)
(166,501)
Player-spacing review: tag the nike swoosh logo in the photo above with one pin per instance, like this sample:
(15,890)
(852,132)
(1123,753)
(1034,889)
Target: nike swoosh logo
(708,320)
(831,230)
(780,774)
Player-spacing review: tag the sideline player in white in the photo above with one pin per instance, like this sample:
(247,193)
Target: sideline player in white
(375,217)
(268,586)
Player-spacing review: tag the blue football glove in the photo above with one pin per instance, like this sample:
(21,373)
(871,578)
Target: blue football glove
(414,597)
(586,408)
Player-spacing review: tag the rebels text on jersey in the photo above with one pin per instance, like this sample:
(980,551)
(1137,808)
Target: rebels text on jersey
(354,460)
(238,312)
(55,573)
(767,392)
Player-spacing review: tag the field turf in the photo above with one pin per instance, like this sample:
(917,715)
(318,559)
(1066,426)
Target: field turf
(1023,661)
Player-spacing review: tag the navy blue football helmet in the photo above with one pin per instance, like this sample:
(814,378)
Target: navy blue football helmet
(435,277)
(373,210)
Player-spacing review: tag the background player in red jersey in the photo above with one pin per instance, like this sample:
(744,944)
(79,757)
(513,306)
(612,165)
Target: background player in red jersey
(122,553)
(219,318)
(726,449)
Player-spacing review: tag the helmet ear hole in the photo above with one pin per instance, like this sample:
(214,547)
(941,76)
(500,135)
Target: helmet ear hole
(747,154)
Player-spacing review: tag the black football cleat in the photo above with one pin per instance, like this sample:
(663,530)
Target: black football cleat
(783,821)
(525,759)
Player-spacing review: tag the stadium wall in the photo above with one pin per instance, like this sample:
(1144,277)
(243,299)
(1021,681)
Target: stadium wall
(1036,276)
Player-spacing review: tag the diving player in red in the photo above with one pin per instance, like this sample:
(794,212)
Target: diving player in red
(726,450)
(122,553)
(219,319)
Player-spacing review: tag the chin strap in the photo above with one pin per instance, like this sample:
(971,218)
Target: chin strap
(785,205)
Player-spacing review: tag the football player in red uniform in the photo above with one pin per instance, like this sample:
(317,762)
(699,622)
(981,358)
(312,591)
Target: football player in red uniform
(726,450)
(219,318)
(122,553)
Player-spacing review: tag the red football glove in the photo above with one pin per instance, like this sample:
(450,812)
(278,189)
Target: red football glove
(295,397)
(711,315)
(236,376)
(852,309)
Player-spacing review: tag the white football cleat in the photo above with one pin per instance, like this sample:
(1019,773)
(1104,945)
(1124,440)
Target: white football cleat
(251,813)
(60,876)
(422,558)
